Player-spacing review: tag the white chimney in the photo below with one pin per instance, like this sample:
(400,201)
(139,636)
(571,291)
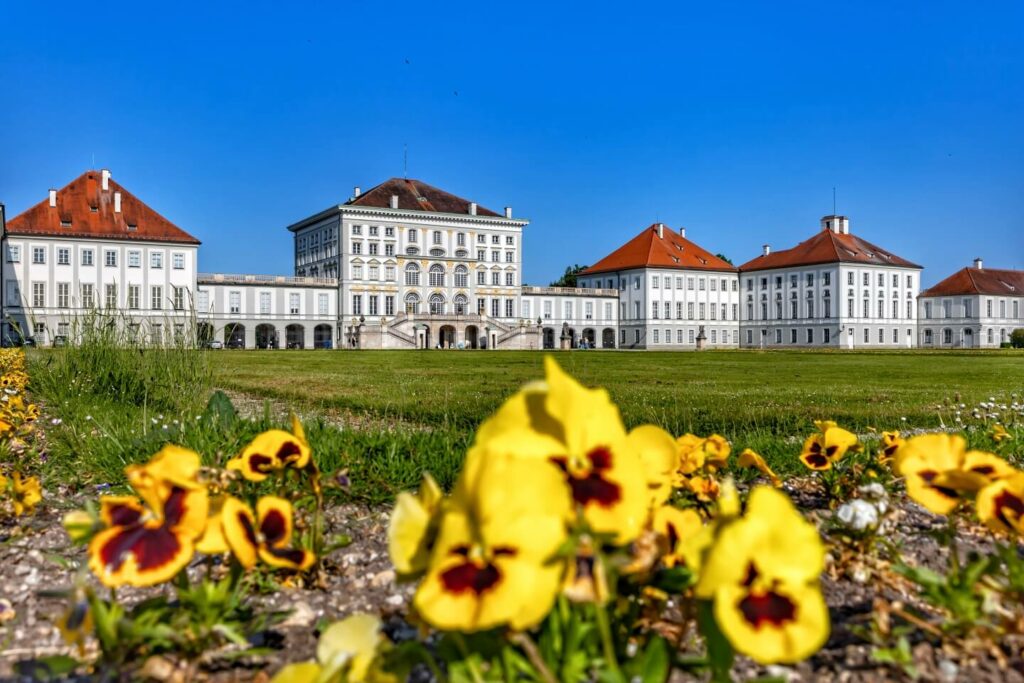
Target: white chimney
(508,212)
(105,179)
(836,224)
(472,208)
(117,202)
(356,191)
(844,225)
(682,231)
(661,231)
(53,197)
(766,249)
(394,201)
(978,263)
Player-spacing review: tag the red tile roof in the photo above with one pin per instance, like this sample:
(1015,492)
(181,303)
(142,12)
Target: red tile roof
(90,210)
(828,247)
(980,281)
(670,251)
(415,195)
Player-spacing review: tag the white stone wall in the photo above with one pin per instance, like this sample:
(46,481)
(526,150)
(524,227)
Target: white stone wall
(589,314)
(665,308)
(968,320)
(810,306)
(48,281)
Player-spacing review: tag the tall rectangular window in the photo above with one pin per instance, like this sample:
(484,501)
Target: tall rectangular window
(374,301)
(234,302)
(133,297)
(357,304)
(63,256)
(156,297)
(110,258)
(178,300)
(87,257)
(63,294)
(156,259)
(13,293)
(265,303)
(87,295)
(13,253)
(509,308)
(39,294)
(389,305)
(322,304)
(38,254)
(294,301)
(203,301)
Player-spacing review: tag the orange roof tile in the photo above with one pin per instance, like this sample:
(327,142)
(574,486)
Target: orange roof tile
(415,195)
(672,250)
(90,211)
(827,246)
(980,281)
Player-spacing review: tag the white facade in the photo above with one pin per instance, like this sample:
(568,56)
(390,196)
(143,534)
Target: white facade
(48,281)
(840,304)
(268,311)
(665,308)
(972,318)
(571,317)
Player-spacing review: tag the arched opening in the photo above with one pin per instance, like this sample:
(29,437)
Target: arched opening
(461,276)
(589,338)
(412,275)
(549,337)
(437,304)
(461,304)
(266,336)
(472,337)
(573,338)
(608,338)
(322,337)
(295,335)
(412,303)
(234,336)
(436,275)
(204,333)
(446,336)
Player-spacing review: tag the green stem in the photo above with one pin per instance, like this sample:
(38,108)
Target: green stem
(474,672)
(607,643)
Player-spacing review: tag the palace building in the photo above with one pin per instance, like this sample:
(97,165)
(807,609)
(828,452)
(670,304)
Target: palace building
(407,265)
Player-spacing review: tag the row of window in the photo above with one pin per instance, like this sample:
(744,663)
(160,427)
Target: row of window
(265,302)
(967,336)
(156,335)
(436,276)
(701,310)
(87,296)
(657,338)
(826,280)
(826,308)
(436,236)
(966,308)
(437,305)
(568,307)
(825,336)
(39,255)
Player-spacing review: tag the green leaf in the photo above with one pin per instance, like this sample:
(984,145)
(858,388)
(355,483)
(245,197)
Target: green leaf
(220,409)
(49,668)
(653,665)
(720,652)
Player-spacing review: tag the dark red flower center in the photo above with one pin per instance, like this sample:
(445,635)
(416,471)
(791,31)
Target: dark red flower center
(929,476)
(1006,504)
(261,463)
(592,487)
(151,547)
(815,458)
(769,608)
(274,526)
(289,451)
(471,576)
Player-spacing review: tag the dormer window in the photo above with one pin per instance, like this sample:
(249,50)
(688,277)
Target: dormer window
(132,227)
(65,223)
(93,209)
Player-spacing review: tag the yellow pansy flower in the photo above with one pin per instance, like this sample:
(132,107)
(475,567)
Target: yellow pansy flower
(891,443)
(762,576)
(999,433)
(27,494)
(273,450)
(412,527)
(749,458)
(691,455)
(1000,505)
(657,450)
(266,535)
(579,430)
(676,527)
(493,562)
(827,446)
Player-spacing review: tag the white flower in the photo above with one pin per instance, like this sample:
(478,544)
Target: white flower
(858,515)
(88,417)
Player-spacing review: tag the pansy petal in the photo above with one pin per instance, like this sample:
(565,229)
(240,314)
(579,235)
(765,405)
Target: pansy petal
(657,450)
(141,555)
(121,510)
(239,525)
(274,517)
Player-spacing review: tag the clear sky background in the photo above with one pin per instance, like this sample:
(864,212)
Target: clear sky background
(734,119)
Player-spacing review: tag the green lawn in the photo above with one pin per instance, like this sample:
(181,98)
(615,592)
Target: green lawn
(736,393)
(119,406)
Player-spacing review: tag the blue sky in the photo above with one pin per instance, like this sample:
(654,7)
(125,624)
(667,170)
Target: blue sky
(594,120)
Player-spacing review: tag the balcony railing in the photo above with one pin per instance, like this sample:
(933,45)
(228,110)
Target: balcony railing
(570,291)
(233,279)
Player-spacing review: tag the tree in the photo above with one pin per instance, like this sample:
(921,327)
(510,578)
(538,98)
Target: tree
(1017,338)
(724,258)
(568,278)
